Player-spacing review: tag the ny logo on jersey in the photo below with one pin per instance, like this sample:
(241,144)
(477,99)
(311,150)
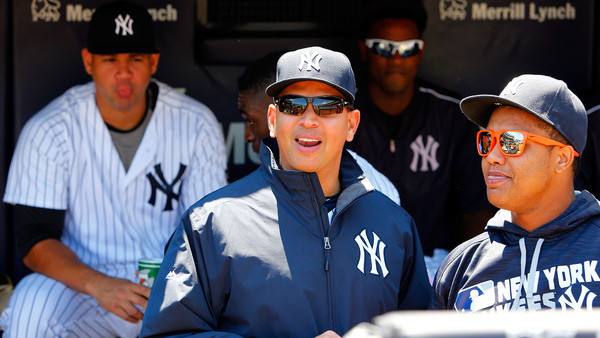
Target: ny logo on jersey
(375,251)
(427,153)
(310,60)
(165,187)
(567,300)
(124,25)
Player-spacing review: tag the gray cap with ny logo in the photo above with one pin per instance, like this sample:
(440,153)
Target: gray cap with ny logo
(314,64)
(542,96)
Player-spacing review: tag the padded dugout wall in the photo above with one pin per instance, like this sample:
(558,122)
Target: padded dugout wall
(479,46)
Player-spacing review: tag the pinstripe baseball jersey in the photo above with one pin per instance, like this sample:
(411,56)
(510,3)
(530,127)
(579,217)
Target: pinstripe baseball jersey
(65,159)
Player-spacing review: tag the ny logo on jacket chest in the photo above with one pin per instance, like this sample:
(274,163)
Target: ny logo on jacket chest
(167,188)
(427,152)
(376,252)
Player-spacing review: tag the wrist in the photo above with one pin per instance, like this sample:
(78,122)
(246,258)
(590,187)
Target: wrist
(93,281)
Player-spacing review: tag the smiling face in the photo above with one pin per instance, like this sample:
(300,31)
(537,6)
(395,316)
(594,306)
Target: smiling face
(308,142)
(527,182)
(395,74)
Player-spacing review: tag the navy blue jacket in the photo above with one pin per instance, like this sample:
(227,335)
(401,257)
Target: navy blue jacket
(259,258)
(507,268)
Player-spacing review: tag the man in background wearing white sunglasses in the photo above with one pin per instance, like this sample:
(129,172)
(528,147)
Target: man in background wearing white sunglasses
(415,135)
(541,249)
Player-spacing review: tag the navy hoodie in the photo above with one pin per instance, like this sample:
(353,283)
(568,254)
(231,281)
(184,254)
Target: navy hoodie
(508,268)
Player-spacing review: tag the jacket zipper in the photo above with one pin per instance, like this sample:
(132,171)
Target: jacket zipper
(327,246)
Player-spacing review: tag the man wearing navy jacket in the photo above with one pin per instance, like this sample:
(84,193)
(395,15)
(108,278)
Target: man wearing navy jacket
(304,245)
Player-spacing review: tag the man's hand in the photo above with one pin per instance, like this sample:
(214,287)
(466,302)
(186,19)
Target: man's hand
(120,296)
(328,334)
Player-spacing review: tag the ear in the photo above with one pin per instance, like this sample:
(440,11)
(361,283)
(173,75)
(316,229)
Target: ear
(565,157)
(154,62)
(353,121)
(271,120)
(86,57)
(364,51)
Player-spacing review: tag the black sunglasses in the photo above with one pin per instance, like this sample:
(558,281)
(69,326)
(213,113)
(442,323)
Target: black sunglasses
(322,105)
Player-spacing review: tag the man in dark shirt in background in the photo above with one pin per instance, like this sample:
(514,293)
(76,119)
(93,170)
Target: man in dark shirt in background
(415,135)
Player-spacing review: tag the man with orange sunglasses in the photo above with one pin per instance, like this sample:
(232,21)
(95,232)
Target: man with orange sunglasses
(541,248)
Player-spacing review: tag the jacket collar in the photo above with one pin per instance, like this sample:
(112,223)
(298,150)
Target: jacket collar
(301,185)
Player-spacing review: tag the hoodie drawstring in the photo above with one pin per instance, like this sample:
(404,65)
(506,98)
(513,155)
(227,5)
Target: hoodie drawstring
(532,271)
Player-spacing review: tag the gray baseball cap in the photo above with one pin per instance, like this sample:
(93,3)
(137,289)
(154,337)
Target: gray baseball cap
(542,96)
(314,64)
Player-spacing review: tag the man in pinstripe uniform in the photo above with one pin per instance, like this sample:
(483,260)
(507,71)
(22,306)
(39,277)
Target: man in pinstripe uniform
(100,178)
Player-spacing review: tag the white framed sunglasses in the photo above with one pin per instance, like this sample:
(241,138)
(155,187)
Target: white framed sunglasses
(387,48)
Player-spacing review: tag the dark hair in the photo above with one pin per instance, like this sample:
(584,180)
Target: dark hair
(260,73)
(394,9)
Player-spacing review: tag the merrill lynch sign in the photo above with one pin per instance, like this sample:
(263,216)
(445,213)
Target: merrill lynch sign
(480,11)
(49,11)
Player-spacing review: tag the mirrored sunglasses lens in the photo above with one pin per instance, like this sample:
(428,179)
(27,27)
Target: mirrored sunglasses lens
(512,142)
(294,106)
(327,106)
(484,142)
(383,49)
(408,50)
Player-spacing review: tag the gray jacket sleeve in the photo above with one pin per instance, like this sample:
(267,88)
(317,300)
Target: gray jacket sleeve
(183,303)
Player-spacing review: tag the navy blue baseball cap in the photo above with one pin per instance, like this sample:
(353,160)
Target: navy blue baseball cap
(314,64)
(121,27)
(542,96)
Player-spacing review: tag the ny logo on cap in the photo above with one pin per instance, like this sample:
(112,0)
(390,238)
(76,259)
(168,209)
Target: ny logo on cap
(311,61)
(124,25)
(514,85)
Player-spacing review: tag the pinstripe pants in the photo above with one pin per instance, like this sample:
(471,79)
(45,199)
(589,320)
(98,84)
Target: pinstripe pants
(42,307)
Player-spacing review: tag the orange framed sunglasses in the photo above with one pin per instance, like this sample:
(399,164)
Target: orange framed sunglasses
(512,142)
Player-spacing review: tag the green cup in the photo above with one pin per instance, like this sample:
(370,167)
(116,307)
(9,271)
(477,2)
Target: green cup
(147,271)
